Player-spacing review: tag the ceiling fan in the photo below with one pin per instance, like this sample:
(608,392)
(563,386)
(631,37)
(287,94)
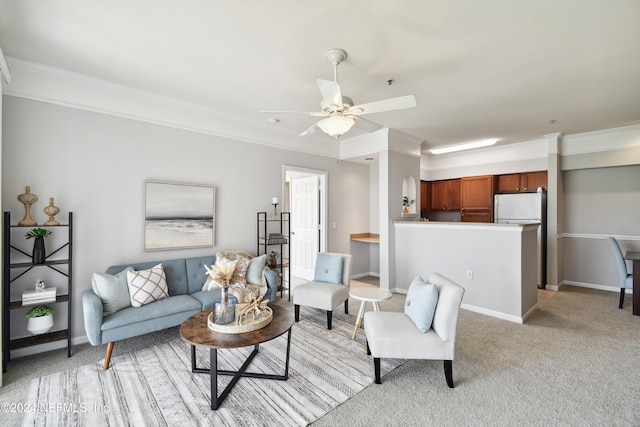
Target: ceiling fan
(339,110)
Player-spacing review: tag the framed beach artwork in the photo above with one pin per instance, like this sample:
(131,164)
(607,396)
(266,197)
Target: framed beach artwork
(178,216)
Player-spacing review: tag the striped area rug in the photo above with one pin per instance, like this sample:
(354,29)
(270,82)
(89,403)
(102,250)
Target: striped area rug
(155,386)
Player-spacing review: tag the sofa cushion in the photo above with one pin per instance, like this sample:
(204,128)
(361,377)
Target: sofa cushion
(175,272)
(146,286)
(112,290)
(420,304)
(328,268)
(166,307)
(196,272)
(206,298)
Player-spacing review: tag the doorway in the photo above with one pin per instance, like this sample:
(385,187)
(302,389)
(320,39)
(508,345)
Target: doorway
(305,197)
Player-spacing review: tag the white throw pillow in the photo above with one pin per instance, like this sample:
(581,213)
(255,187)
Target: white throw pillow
(147,286)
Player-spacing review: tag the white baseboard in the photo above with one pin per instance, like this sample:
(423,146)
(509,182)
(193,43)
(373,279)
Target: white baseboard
(497,314)
(359,275)
(595,286)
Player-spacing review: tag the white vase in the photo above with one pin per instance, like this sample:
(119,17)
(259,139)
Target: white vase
(40,325)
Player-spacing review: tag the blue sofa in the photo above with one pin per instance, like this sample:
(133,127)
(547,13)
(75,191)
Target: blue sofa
(185,278)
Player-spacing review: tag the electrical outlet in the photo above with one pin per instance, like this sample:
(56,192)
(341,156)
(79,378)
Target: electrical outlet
(334,225)
(470,274)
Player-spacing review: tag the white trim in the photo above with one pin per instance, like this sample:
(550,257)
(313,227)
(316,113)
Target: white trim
(597,236)
(595,286)
(56,86)
(497,314)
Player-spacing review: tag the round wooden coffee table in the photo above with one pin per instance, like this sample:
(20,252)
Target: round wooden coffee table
(195,331)
(364,294)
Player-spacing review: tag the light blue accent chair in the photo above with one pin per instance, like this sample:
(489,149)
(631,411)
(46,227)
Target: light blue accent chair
(625,279)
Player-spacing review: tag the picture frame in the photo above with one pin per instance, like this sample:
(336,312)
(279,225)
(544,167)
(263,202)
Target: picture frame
(178,215)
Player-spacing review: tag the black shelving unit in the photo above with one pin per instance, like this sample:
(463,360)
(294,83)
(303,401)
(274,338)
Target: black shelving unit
(13,271)
(265,228)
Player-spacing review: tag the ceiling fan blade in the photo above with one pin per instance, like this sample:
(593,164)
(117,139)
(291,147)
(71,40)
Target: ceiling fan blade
(306,113)
(310,130)
(390,104)
(366,125)
(331,93)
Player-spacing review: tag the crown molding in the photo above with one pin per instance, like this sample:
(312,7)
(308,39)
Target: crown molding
(53,85)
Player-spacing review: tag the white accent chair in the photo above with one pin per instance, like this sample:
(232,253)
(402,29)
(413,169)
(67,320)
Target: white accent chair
(625,279)
(394,335)
(325,296)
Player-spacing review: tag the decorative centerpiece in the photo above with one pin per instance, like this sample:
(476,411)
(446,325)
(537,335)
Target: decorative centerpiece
(39,253)
(224,310)
(252,316)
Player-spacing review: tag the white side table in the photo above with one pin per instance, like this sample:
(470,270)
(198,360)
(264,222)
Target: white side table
(372,295)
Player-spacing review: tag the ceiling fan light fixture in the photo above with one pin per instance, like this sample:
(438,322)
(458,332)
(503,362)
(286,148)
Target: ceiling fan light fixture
(465,146)
(336,125)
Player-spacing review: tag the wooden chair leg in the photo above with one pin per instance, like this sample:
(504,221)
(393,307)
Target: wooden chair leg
(621,298)
(448,372)
(107,358)
(329,318)
(296,309)
(376,369)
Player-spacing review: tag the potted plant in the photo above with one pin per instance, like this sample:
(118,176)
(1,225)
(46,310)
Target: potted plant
(406,203)
(40,319)
(273,259)
(39,253)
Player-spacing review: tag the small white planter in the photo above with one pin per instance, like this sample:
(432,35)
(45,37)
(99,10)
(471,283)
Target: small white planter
(40,325)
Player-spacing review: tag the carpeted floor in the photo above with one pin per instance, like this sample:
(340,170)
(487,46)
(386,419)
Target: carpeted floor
(155,386)
(574,363)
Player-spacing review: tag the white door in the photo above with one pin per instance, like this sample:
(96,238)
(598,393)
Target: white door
(304,226)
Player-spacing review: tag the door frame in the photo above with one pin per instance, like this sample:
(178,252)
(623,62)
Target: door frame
(323,176)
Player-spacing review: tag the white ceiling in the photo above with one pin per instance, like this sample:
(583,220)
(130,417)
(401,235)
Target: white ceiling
(478,69)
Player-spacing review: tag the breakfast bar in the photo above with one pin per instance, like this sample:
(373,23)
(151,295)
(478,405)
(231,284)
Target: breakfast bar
(495,263)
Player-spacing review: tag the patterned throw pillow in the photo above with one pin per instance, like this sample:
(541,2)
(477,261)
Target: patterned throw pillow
(239,280)
(147,286)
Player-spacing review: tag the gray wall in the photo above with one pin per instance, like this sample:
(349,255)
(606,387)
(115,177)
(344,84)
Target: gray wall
(599,202)
(95,165)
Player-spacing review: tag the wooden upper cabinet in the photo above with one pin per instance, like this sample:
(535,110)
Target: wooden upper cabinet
(454,194)
(445,195)
(477,198)
(527,182)
(532,180)
(425,195)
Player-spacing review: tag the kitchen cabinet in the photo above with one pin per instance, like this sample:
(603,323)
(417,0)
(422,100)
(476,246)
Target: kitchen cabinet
(526,182)
(425,196)
(477,198)
(445,195)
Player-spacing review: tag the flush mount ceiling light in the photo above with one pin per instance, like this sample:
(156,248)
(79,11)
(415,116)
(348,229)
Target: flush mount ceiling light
(465,146)
(336,125)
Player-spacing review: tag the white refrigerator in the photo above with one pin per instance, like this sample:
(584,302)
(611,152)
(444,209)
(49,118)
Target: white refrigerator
(526,208)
